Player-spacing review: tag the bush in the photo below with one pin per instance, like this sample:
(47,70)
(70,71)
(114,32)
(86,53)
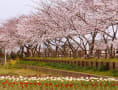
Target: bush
(13,55)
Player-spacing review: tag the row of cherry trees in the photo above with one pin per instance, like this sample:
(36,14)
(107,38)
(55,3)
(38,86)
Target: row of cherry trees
(63,25)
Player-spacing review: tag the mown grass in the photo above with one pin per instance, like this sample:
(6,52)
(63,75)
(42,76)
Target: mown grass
(73,59)
(101,70)
(17,70)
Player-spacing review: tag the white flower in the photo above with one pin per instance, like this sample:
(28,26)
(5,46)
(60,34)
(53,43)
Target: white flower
(20,76)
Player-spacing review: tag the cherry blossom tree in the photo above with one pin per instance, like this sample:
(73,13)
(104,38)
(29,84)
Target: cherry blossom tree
(8,36)
(56,20)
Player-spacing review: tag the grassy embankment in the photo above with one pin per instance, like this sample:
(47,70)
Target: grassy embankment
(101,70)
(12,68)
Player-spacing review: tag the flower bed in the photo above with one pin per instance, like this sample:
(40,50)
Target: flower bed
(56,83)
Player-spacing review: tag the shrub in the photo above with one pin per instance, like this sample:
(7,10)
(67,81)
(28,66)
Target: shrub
(13,55)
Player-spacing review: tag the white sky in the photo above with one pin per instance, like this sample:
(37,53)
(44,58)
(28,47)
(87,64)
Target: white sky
(14,8)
